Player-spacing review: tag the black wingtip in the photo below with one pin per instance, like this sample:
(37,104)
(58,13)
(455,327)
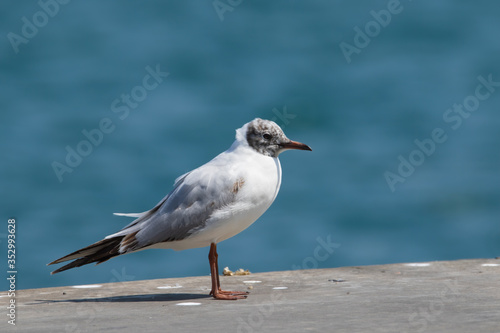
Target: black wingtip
(98,252)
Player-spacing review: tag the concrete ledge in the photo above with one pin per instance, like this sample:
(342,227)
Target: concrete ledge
(458,296)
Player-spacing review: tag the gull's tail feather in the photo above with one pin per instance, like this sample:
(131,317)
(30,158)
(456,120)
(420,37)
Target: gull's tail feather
(130,214)
(98,252)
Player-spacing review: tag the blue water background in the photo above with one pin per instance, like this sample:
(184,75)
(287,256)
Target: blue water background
(278,60)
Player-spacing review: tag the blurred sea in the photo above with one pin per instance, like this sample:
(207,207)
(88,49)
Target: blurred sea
(278,60)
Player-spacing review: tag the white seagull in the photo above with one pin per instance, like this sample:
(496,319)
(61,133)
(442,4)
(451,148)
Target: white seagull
(207,205)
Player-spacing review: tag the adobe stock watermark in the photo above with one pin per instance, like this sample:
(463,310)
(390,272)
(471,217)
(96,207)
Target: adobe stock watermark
(453,117)
(223,6)
(255,319)
(94,137)
(88,311)
(322,252)
(363,37)
(11,271)
(283,116)
(30,26)
(419,320)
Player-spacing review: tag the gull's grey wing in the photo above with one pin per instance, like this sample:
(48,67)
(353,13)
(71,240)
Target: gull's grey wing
(141,217)
(194,198)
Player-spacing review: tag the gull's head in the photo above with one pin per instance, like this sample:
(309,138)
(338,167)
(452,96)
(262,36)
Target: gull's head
(267,138)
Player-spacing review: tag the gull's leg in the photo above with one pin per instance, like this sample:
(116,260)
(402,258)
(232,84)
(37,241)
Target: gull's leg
(218,280)
(213,270)
(217,292)
(217,265)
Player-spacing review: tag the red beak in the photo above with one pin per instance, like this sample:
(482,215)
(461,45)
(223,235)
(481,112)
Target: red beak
(295,145)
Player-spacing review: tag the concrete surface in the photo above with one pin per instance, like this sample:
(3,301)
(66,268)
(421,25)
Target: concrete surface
(456,296)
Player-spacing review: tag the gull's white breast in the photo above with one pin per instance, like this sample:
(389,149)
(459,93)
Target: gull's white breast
(257,180)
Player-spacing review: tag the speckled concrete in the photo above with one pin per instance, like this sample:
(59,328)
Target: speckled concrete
(450,296)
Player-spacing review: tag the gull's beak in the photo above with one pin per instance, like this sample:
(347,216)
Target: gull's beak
(295,145)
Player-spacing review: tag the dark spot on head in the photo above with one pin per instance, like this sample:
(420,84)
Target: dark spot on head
(265,136)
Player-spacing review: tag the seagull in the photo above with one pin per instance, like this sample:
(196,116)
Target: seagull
(207,205)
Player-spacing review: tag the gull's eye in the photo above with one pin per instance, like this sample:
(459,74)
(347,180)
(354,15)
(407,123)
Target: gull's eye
(266,136)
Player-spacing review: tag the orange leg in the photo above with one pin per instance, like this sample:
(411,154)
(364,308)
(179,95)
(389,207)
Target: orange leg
(217,292)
